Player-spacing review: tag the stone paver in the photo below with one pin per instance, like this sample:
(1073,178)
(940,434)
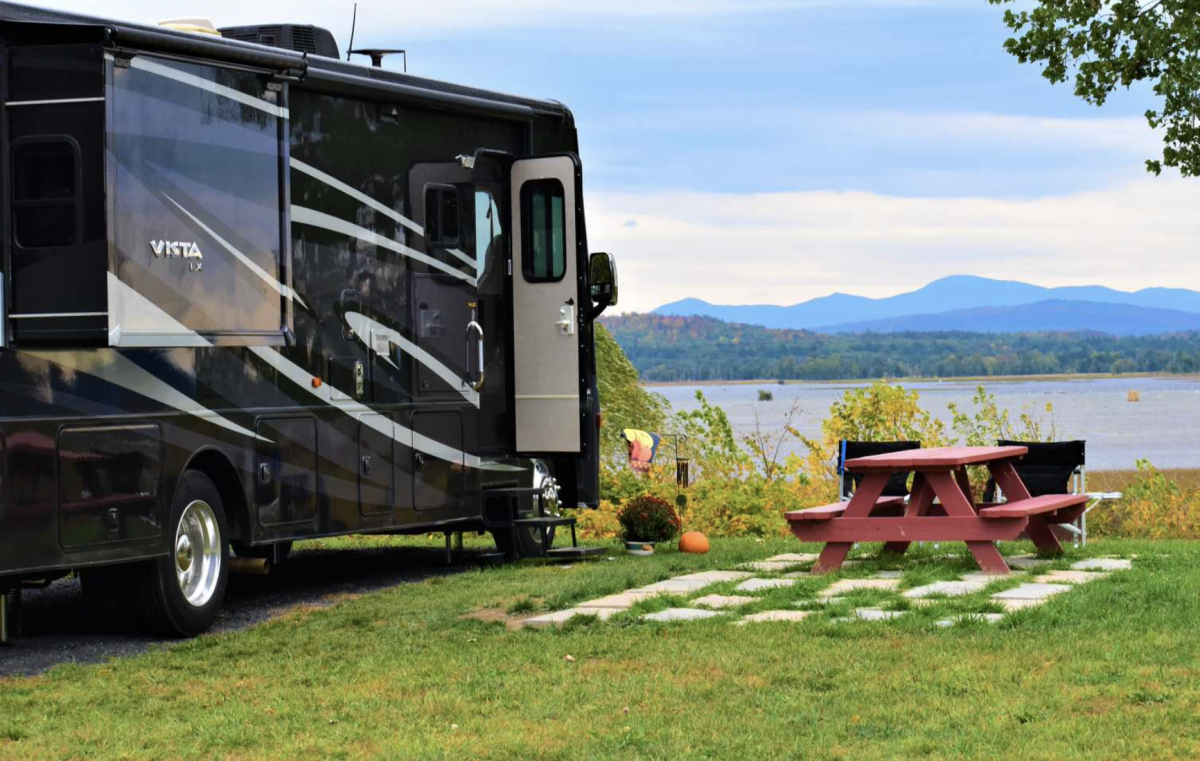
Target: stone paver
(1103,564)
(1069,577)
(679,614)
(947,588)
(769,566)
(1032,591)
(560,617)
(775,615)
(793,557)
(989,577)
(889,575)
(758,585)
(1025,562)
(674,586)
(876,614)
(723,601)
(990,618)
(620,600)
(1015,605)
(843,586)
(714,576)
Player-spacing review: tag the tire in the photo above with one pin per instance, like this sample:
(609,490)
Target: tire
(181,594)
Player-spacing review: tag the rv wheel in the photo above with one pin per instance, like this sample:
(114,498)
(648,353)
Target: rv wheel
(181,594)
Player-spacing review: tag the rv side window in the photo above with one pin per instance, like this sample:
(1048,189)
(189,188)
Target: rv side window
(441,215)
(45,192)
(543,237)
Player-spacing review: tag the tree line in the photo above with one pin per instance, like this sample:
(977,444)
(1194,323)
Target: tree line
(666,348)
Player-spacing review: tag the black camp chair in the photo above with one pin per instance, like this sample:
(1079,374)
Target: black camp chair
(897,485)
(1055,467)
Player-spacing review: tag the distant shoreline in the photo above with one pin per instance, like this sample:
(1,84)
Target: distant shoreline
(933,379)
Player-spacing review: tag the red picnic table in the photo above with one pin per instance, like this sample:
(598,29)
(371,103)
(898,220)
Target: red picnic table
(939,473)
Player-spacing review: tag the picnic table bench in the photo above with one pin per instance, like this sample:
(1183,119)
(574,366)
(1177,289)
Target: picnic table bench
(940,508)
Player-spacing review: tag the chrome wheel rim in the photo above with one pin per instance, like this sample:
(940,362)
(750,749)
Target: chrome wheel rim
(198,553)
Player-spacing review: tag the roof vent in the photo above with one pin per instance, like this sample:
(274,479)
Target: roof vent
(303,38)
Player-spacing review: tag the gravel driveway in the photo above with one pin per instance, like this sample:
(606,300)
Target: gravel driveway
(57,630)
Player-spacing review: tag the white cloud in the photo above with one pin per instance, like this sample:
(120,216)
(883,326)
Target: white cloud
(787,247)
(1016,129)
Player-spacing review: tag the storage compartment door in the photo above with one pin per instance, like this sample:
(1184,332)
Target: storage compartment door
(196,205)
(546,389)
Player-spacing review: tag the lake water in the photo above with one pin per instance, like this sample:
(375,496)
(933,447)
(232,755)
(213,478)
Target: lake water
(1163,427)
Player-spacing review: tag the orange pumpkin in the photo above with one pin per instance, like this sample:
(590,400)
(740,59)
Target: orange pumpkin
(693,542)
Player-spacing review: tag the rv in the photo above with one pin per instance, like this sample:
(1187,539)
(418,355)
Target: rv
(254,294)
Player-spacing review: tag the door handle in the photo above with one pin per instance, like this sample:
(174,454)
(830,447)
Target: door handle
(478,383)
(566,321)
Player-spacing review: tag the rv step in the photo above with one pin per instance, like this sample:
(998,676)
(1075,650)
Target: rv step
(573,552)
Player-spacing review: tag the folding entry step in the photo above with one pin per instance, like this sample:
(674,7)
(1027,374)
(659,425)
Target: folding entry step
(509,498)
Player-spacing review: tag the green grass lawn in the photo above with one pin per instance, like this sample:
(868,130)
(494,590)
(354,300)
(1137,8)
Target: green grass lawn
(1110,670)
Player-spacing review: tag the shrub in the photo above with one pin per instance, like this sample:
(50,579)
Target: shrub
(1153,507)
(649,519)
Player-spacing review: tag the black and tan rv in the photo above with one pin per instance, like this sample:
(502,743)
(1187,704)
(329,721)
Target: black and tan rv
(254,294)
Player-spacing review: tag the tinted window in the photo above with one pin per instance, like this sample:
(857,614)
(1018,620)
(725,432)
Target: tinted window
(544,233)
(441,215)
(45,192)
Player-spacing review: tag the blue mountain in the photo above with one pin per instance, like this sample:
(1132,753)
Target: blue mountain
(1042,316)
(952,293)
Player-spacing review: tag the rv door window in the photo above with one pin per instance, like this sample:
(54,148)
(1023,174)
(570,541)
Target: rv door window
(543,241)
(441,215)
(45,192)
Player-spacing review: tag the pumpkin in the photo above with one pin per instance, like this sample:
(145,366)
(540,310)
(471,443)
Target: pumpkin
(693,542)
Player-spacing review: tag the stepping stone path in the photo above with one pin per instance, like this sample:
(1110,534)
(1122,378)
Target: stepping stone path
(1103,564)
(775,615)
(1039,590)
(560,617)
(876,614)
(679,614)
(621,600)
(714,576)
(675,586)
(1025,562)
(723,601)
(854,585)
(990,618)
(759,585)
(805,557)
(1032,591)
(948,588)
(770,566)
(1069,577)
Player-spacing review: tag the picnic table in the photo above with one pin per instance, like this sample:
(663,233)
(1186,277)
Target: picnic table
(940,507)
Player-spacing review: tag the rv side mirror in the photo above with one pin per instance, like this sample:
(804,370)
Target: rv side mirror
(602,281)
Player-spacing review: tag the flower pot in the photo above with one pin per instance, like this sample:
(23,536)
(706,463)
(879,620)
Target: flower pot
(639,548)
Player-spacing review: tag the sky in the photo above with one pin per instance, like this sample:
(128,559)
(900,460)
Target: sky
(772,151)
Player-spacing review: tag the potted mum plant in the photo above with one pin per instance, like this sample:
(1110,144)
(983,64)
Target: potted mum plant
(645,521)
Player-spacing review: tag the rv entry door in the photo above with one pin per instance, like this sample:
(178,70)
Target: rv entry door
(546,306)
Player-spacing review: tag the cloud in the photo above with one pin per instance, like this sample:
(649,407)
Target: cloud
(787,247)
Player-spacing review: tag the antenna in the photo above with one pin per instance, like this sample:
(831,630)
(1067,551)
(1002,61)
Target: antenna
(353,23)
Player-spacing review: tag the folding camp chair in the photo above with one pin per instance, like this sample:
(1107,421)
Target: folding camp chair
(1055,467)
(897,485)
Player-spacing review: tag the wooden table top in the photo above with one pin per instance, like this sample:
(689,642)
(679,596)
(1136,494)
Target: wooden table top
(935,458)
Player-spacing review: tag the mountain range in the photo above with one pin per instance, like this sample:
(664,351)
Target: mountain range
(972,304)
